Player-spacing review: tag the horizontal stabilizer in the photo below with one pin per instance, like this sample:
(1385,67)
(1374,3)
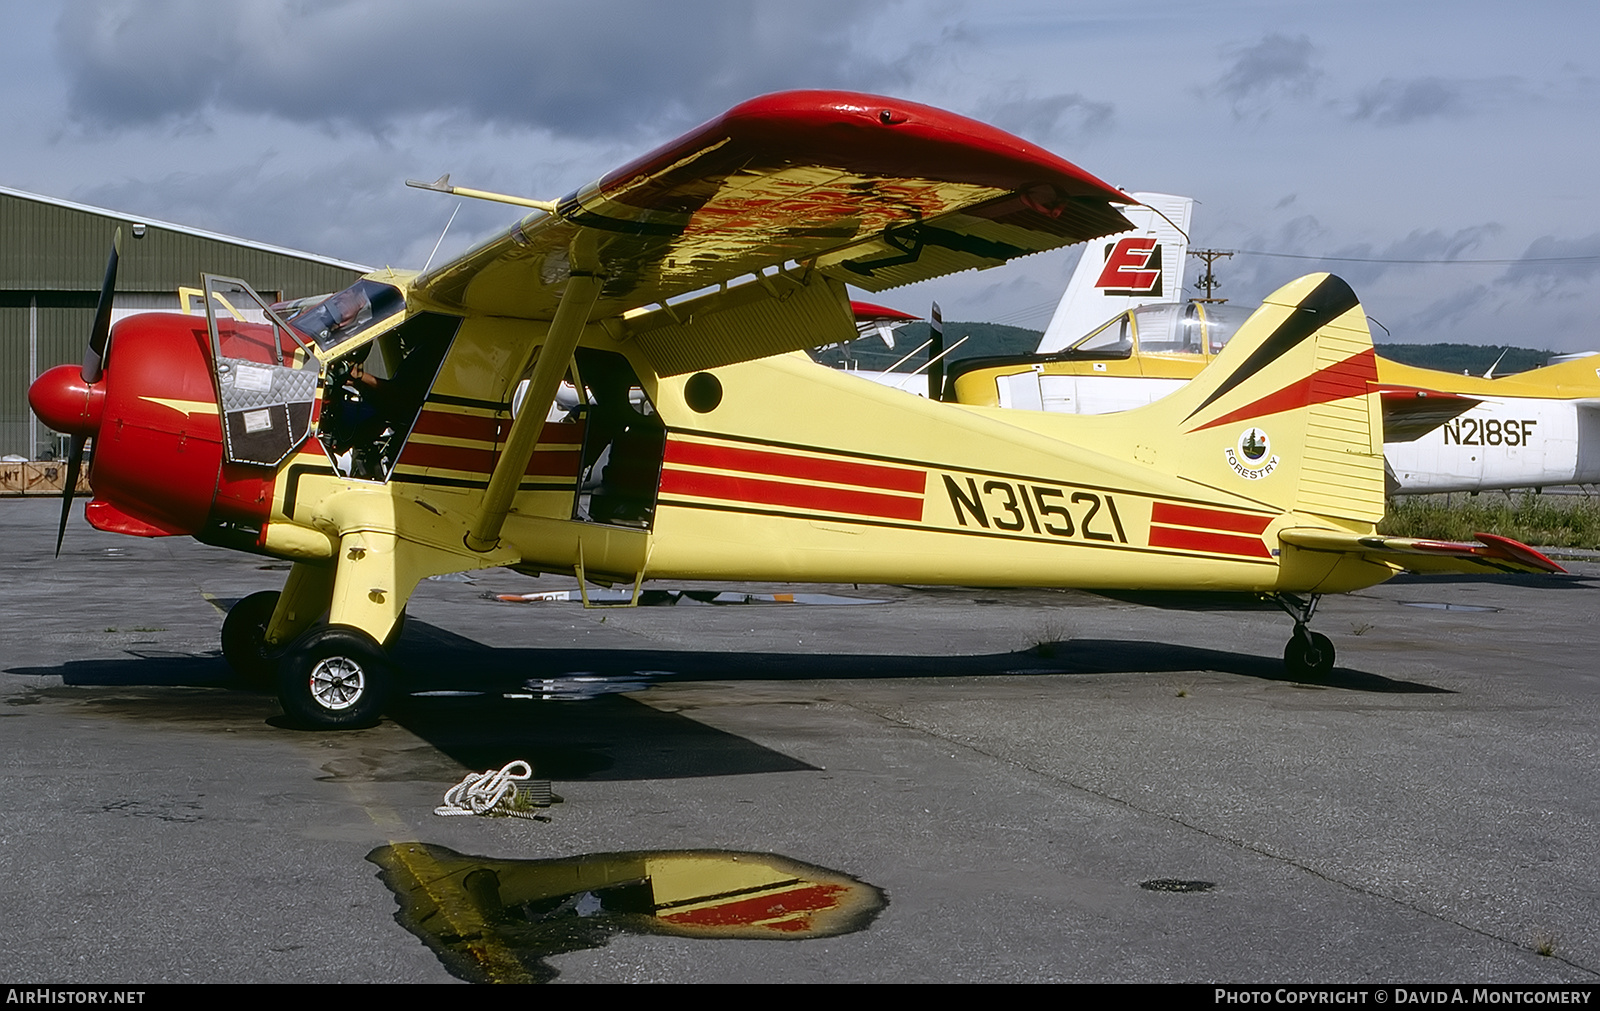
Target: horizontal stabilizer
(1410,413)
(1494,554)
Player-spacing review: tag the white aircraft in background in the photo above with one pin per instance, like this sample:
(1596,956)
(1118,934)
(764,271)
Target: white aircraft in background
(1121,338)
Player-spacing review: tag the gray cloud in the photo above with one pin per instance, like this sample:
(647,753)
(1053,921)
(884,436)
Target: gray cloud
(1398,102)
(1277,67)
(1252,278)
(1049,117)
(1551,263)
(576,70)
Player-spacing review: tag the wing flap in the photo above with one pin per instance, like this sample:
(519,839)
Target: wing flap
(871,191)
(1493,554)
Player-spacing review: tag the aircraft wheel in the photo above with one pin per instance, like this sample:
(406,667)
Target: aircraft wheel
(335,678)
(1312,662)
(396,632)
(244,639)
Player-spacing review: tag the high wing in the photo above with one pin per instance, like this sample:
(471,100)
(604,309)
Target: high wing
(828,187)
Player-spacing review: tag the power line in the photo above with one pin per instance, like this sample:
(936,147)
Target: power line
(1375,259)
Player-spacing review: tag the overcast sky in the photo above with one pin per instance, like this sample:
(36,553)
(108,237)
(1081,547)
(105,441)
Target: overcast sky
(1382,130)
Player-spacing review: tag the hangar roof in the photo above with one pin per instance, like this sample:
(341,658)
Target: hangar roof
(50,244)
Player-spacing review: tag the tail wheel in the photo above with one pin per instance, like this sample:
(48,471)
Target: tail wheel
(1308,656)
(336,677)
(244,639)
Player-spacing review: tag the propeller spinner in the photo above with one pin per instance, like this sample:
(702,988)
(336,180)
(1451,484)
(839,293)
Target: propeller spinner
(74,404)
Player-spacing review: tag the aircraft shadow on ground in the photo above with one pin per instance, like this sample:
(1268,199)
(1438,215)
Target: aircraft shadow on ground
(562,709)
(1532,580)
(474,666)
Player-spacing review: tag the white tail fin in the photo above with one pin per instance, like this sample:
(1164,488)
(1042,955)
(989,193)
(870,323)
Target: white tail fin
(1125,270)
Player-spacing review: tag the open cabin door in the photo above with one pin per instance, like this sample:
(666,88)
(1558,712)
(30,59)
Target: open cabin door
(266,375)
(602,411)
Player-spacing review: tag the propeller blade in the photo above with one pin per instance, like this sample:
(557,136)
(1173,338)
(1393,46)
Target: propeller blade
(94,358)
(74,463)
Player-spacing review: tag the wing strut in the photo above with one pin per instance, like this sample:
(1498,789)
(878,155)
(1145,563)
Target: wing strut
(570,318)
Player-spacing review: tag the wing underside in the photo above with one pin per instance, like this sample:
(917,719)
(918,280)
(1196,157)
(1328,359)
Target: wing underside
(792,193)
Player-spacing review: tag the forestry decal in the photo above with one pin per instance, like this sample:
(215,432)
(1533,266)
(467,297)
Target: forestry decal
(1252,457)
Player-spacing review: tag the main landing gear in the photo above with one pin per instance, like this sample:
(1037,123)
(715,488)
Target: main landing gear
(333,677)
(1309,655)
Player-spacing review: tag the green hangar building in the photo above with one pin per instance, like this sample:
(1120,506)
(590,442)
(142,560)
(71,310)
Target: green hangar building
(53,259)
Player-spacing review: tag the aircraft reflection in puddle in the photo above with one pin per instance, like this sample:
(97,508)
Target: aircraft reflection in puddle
(671,598)
(496,921)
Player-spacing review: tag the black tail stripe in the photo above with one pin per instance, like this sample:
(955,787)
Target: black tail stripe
(1325,303)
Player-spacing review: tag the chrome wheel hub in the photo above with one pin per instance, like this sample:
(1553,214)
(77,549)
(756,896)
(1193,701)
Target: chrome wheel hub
(337,682)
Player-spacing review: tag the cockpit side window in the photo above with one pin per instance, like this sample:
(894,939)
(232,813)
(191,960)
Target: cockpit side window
(1115,336)
(1168,328)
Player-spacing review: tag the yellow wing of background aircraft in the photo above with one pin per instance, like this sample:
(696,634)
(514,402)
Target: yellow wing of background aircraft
(373,438)
(1111,346)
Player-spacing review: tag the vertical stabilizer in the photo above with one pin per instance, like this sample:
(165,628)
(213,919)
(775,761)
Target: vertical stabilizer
(1288,415)
(1125,270)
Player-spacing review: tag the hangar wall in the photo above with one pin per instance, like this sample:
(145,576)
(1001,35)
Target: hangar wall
(53,257)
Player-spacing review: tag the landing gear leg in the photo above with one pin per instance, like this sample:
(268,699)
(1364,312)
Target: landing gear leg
(1309,655)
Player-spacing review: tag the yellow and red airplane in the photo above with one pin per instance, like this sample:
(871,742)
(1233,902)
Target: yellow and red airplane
(378,437)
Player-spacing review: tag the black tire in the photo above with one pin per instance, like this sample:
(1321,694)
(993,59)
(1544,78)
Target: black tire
(1310,662)
(244,640)
(334,678)
(396,632)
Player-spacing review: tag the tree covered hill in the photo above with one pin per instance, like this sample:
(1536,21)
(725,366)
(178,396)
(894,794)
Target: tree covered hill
(985,339)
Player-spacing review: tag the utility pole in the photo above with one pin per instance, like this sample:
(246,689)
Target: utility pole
(1208,281)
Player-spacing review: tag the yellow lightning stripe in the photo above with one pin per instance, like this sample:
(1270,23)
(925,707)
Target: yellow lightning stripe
(190,407)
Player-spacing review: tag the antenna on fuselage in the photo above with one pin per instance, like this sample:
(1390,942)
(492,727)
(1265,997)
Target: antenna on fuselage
(442,234)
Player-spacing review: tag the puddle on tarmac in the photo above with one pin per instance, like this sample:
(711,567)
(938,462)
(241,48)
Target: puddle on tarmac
(1432,606)
(680,598)
(497,921)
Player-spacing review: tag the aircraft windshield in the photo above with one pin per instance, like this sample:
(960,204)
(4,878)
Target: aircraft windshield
(1197,328)
(340,317)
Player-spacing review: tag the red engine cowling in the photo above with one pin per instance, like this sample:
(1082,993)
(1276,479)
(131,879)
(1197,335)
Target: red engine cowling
(158,461)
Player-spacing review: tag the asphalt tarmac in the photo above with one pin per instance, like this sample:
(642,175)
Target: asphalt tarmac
(1028,785)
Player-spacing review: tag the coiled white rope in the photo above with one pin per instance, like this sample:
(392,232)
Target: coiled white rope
(484,793)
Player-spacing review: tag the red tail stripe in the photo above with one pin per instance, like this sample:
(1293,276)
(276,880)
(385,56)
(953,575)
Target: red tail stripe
(801,496)
(1348,378)
(1210,519)
(800,468)
(1202,540)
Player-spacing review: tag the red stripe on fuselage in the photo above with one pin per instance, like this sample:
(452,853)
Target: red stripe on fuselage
(799,468)
(1210,519)
(557,463)
(1208,541)
(757,491)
